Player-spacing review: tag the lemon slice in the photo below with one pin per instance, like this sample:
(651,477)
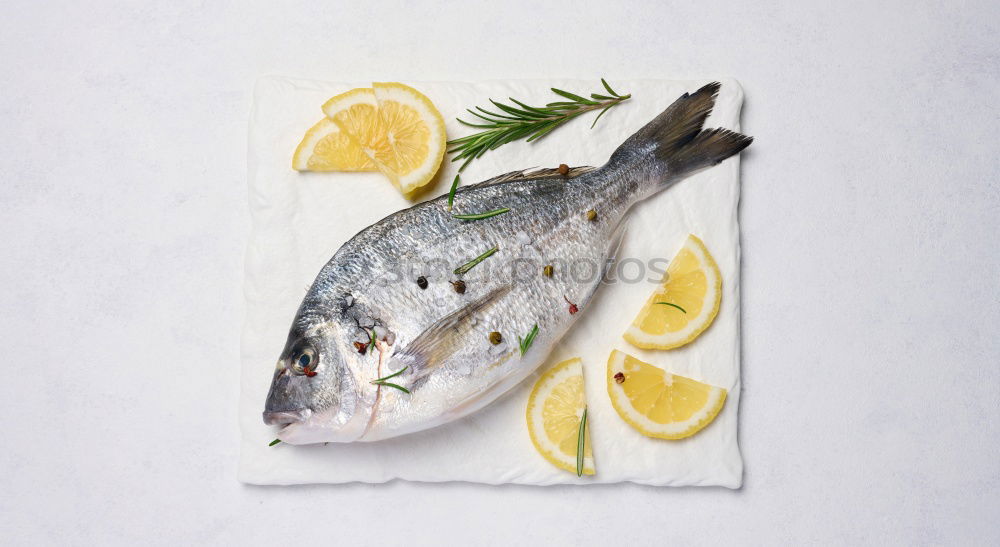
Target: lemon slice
(658,403)
(684,305)
(326,148)
(415,132)
(555,408)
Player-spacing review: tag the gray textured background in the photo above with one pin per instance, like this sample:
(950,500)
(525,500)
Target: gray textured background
(871,215)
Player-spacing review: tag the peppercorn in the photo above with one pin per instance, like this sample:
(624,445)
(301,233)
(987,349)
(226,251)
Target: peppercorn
(563,169)
(459,286)
(591,215)
(495,338)
(422,282)
(547,271)
(619,378)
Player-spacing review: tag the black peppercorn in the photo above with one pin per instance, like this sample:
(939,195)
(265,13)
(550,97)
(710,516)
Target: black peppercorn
(422,282)
(459,286)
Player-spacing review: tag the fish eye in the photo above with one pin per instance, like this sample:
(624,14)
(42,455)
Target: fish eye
(304,362)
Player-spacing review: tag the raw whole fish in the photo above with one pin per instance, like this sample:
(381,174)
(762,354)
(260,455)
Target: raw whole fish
(390,303)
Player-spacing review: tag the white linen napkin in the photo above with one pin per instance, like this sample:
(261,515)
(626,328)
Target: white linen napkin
(300,219)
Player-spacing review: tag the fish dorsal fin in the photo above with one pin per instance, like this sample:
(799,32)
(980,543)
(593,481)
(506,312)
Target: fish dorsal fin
(442,339)
(535,173)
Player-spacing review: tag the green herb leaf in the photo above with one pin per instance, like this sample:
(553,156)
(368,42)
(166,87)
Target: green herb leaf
(517,113)
(451,193)
(572,96)
(560,104)
(511,123)
(581,439)
(371,339)
(526,107)
(274,442)
(393,375)
(608,87)
(671,305)
(390,384)
(383,381)
(480,216)
(599,116)
(464,268)
(526,342)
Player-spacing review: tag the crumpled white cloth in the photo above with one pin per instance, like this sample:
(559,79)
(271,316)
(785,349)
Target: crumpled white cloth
(300,220)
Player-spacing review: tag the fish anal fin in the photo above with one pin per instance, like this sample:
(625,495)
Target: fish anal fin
(614,245)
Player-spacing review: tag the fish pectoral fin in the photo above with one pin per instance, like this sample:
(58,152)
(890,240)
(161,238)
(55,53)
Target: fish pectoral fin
(442,339)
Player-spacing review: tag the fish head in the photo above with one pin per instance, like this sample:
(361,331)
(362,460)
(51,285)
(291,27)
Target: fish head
(316,389)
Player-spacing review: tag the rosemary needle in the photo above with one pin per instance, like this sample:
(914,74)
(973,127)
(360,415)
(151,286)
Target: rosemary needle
(526,342)
(274,442)
(480,216)
(393,375)
(472,263)
(671,305)
(382,381)
(581,437)
(390,384)
(451,193)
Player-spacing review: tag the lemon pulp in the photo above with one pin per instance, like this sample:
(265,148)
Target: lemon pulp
(555,408)
(326,148)
(685,303)
(658,403)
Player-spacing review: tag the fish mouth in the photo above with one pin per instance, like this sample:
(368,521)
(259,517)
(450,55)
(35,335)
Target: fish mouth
(285,417)
(309,427)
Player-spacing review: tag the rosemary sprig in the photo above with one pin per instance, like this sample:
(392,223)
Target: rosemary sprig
(671,305)
(451,193)
(382,381)
(472,263)
(526,122)
(480,216)
(274,442)
(581,436)
(526,342)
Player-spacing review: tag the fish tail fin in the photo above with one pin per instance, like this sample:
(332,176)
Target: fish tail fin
(677,141)
(709,147)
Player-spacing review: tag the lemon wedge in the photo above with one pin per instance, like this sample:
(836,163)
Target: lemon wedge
(415,131)
(326,148)
(396,127)
(658,403)
(555,411)
(356,114)
(684,304)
